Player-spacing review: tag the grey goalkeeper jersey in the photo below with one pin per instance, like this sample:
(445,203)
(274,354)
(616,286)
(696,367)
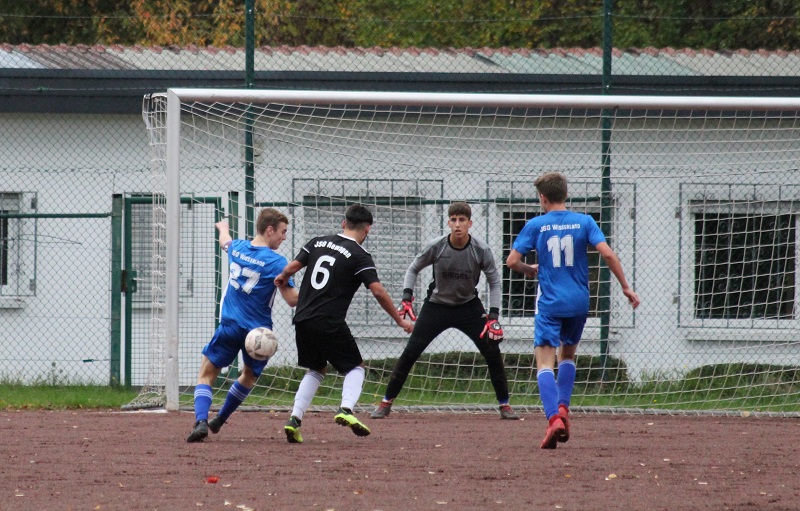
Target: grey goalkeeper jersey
(456,272)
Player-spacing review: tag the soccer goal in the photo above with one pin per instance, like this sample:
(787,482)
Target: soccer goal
(699,196)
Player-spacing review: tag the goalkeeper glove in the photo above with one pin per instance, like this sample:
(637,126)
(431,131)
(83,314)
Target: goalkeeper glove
(493,327)
(405,309)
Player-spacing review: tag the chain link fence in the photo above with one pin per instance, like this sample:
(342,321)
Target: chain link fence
(76,187)
(699,199)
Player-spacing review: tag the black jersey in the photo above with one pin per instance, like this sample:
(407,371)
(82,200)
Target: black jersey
(335,267)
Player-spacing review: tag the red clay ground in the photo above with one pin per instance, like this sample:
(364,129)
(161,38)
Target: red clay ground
(109,460)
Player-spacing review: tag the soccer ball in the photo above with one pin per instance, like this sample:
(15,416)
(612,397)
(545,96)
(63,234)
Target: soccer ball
(261,343)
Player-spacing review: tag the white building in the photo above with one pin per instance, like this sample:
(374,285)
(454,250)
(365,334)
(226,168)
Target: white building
(688,207)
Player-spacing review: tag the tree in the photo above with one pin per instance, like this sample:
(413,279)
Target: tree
(734,24)
(65,21)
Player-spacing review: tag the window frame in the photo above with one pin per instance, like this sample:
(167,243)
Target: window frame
(510,277)
(423,197)
(746,200)
(194,238)
(590,206)
(18,246)
(584,197)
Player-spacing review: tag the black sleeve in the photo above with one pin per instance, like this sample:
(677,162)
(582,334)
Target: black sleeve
(366,271)
(305,253)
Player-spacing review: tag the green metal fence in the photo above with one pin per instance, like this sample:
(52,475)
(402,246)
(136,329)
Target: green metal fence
(76,172)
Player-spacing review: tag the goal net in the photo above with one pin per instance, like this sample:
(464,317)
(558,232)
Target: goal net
(699,197)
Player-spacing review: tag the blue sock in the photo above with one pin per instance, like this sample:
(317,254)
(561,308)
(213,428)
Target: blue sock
(565,381)
(548,391)
(236,395)
(202,401)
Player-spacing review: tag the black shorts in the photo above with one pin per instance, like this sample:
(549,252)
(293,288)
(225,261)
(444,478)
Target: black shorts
(320,341)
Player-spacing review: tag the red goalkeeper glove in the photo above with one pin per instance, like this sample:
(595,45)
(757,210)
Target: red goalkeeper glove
(492,328)
(406,309)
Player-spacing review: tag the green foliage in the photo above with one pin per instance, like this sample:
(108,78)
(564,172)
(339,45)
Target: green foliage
(438,377)
(734,386)
(67,21)
(730,377)
(456,371)
(735,24)
(445,378)
(55,377)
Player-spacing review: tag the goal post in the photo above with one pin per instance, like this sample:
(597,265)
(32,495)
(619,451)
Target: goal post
(699,196)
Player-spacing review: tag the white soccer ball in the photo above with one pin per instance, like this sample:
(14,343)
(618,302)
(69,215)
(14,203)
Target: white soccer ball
(261,343)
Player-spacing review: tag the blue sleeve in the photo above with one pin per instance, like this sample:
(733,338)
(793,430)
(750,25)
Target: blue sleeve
(232,244)
(595,234)
(281,265)
(526,240)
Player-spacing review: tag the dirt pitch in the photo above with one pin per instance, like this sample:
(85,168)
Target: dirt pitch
(111,460)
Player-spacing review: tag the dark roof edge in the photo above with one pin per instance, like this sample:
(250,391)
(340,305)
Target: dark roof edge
(206,75)
(121,91)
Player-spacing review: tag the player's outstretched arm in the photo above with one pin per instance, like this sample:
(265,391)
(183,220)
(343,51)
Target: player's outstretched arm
(615,266)
(489,268)
(380,294)
(290,295)
(514,262)
(224,233)
(290,269)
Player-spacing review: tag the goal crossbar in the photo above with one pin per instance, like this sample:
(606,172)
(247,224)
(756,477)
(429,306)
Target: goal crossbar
(478,100)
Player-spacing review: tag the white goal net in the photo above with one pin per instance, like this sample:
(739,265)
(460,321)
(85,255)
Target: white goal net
(698,196)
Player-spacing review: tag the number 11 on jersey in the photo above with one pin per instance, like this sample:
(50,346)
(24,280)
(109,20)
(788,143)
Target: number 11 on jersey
(556,245)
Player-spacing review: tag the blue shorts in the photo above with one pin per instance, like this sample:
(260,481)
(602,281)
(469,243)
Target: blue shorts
(225,346)
(554,331)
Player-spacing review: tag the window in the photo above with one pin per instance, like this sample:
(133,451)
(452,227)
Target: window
(141,249)
(197,237)
(519,292)
(3,250)
(406,213)
(738,271)
(744,265)
(393,240)
(12,244)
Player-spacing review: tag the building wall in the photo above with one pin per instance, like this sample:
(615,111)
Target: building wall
(75,163)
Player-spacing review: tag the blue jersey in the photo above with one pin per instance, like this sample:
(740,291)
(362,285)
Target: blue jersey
(561,239)
(251,288)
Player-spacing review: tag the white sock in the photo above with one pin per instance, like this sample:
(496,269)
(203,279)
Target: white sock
(351,388)
(305,393)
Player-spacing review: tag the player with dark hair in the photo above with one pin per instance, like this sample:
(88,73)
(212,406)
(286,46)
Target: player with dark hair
(247,304)
(458,258)
(337,266)
(561,239)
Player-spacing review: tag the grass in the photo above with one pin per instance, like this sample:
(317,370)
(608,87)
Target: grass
(462,380)
(55,391)
(61,397)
